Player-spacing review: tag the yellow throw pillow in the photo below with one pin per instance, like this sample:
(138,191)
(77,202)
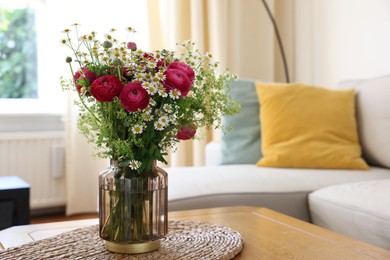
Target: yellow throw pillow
(308,127)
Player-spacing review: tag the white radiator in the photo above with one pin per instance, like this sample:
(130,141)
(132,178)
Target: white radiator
(38,158)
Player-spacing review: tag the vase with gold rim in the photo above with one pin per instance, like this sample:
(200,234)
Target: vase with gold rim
(133,210)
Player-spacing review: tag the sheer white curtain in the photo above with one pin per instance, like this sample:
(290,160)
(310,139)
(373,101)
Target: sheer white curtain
(239,34)
(100,16)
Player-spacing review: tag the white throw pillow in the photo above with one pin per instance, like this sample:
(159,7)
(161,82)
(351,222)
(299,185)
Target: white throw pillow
(373,116)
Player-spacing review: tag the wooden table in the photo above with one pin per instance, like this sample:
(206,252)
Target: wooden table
(267,235)
(271,235)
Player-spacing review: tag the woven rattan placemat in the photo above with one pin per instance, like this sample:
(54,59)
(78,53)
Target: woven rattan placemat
(185,240)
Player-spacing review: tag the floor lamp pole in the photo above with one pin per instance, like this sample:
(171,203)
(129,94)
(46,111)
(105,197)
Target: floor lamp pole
(279,39)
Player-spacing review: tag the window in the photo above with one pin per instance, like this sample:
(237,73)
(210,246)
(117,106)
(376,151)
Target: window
(39,67)
(21,29)
(29,81)
(18,53)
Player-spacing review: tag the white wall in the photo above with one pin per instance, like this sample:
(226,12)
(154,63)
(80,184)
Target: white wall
(341,39)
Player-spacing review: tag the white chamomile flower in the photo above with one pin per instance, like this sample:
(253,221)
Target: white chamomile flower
(83,91)
(163,114)
(141,69)
(147,76)
(147,117)
(161,91)
(208,55)
(161,144)
(139,76)
(147,110)
(151,64)
(152,102)
(134,164)
(158,126)
(90,37)
(175,94)
(167,108)
(155,79)
(137,129)
(164,120)
(151,89)
(109,37)
(146,85)
(160,76)
(159,112)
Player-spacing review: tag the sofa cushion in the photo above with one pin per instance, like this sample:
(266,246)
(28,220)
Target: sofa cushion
(360,210)
(246,184)
(308,127)
(373,117)
(242,144)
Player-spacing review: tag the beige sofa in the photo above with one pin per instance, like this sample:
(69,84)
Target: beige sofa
(326,197)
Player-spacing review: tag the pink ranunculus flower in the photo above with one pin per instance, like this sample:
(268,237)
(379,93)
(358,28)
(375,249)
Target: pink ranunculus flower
(184,67)
(83,73)
(105,88)
(134,97)
(177,79)
(132,46)
(186,132)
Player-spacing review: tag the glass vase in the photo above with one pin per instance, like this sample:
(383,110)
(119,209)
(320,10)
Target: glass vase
(133,208)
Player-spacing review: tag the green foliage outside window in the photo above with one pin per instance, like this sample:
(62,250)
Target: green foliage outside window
(18,54)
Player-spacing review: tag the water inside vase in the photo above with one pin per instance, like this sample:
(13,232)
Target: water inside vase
(132,217)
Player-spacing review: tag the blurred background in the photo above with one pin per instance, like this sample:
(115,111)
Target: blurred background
(325,41)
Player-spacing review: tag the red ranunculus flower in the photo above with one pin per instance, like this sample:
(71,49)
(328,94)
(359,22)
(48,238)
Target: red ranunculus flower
(83,73)
(186,132)
(177,79)
(134,97)
(184,67)
(105,88)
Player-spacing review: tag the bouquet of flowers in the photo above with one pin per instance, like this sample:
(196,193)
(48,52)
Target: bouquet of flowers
(135,105)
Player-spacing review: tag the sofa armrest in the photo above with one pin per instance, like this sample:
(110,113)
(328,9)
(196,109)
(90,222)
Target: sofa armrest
(213,153)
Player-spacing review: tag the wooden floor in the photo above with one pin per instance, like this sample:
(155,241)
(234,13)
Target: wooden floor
(60,217)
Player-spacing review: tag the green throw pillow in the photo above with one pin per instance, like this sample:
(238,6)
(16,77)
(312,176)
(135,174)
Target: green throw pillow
(242,145)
